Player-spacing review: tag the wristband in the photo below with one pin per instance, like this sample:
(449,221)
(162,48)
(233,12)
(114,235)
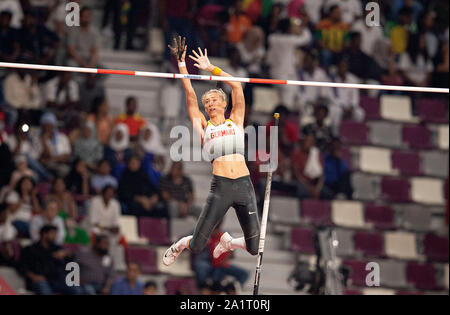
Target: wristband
(217,71)
(182,64)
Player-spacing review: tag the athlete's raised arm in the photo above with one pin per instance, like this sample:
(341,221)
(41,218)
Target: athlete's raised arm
(197,118)
(238,111)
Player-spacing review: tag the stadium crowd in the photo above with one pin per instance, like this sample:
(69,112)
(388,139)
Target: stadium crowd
(69,169)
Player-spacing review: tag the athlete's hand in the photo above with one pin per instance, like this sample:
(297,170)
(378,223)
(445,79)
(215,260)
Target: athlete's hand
(202,61)
(179,48)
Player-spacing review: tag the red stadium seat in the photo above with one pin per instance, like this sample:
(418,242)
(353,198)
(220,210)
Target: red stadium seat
(371,106)
(316,212)
(382,217)
(145,256)
(436,247)
(185,286)
(369,243)
(432,110)
(417,137)
(358,272)
(302,240)
(408,163)
(353,133)
(155,230)
(422,276)
(395,189)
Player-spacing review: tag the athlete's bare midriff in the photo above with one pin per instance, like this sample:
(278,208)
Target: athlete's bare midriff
(230,166)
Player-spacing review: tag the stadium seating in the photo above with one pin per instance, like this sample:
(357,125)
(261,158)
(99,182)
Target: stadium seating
(393,274)
(432,110)
(346,244)
(369,244)
(401,245)
(397,108)
(395,189)
(284,210)
(181,285)
(316,212)
(443,134)
(265,99)
(416,137)
(436,247)
(348,214)
(385,133)
(371,106)
(145,256)
(427,190)
(375,160)
(408,163)
(380,216)
(415,217)
(129,228)
(353,133)
(435,163)
(422,276)
(302,240)
(156,231)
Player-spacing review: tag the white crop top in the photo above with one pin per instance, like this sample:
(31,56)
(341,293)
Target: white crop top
(223,139)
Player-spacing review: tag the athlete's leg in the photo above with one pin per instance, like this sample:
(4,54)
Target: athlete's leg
(217,205)
(247,213)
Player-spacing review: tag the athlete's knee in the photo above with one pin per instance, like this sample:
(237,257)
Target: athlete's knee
(252,245)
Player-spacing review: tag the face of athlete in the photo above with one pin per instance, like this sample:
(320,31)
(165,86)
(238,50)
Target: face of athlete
(214,104)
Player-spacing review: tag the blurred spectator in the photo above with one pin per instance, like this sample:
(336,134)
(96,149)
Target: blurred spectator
(37,43)
(7,164)
(319,128)
(427,27)
(62,93)
(48,217)
(415,65)
(345,102)
(150,288)
(124,20)
(103,177)
(308,170)
(56,21)
(177,17)
(413,5)
(82,42)
(92,94)
(149,143)
(271,21)
(21,91)
(9,46)
(212,19)
(102,120)
(392,76)
(252,51)
(8,233)
(235,68)
(399,31)
(63,198)
(87,147)
(44,265)
(222,266)
(22,202)
(104,213)
(21,170)
(310,71)
(118,151)
(337,174)
(314,9)
(131,118)
(96,267)
(129,284)
(372,35)
(178,191)
(360,64)
(332,36)
(282,56)
(137,192)
(77,181)
(238,24)
(440,74)
(53,146)
(351,9)
(15,8)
